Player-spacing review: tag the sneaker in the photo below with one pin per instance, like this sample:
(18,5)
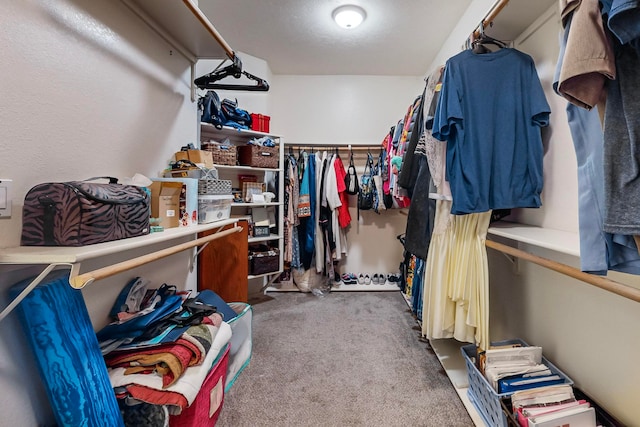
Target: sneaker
(361,279)
(382,279)
(374,280)
(367,279)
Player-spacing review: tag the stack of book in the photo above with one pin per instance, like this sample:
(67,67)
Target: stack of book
(552,406)
(512,368)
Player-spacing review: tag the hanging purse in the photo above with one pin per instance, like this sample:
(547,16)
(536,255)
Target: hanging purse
(351,179)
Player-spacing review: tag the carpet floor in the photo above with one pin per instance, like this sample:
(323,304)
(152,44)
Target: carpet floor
(345,359)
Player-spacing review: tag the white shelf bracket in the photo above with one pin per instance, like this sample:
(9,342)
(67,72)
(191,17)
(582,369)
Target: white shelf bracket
(35,282)
(515,263)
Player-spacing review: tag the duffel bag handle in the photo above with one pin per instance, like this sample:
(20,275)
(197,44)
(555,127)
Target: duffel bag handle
(112,180)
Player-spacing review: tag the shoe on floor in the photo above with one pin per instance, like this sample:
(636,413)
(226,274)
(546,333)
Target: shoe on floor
(367,279)
(361,279)
(374,280)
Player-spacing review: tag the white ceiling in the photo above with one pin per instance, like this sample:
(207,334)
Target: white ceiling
(398,37)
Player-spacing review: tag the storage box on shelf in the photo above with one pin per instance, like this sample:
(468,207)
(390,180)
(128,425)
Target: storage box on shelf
(485,399)
(253,170)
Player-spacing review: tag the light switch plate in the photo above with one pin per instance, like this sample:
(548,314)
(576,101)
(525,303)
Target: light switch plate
(5,198)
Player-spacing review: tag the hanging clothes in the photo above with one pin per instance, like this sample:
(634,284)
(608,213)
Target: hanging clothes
(492,141)
(456,300)
(344,217)
(599,251)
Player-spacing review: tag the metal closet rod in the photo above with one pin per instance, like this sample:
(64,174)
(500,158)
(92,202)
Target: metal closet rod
(334,146)
(601,282)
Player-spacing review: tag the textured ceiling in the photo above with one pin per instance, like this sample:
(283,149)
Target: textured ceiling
(398,37)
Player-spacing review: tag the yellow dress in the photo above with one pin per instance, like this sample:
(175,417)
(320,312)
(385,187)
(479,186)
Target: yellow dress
(456,287)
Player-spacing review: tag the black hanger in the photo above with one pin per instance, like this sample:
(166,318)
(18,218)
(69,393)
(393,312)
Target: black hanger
(208,81)
(478,45)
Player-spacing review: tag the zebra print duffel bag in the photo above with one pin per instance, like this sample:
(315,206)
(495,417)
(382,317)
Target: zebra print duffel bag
(79,213)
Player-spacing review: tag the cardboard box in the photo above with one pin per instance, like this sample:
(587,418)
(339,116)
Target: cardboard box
(201,157)
(165,202)
(188,200)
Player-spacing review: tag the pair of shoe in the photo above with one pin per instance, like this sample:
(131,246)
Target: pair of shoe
(394,278)
(349,279)
(364,279)
(379,279)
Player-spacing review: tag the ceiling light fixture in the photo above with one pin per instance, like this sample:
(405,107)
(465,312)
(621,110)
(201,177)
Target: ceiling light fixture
(349,16)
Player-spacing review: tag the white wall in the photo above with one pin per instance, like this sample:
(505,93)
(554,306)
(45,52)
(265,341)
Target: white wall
(87,90)
(590,334)
(356,110)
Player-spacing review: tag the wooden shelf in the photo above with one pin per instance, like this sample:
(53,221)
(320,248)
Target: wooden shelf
(72,255)
(556,240)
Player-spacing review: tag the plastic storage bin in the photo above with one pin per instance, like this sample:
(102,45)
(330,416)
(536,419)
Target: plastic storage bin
(213,208)
(241,342)
(485,399)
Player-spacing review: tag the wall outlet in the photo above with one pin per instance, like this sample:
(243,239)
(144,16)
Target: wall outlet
(5,198)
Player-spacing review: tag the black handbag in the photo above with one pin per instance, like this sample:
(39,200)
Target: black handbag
(351,178)
(366,196)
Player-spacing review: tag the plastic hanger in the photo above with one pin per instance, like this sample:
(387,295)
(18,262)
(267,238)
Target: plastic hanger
(208,81)
(478,45)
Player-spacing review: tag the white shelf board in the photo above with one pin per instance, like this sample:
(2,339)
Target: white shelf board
(207,130)
(175,18)
(340,287)
(244,168)
(556,240)
(265,238)
(277,287)
(71,255)
(249,205)
(271,273)
(450,357)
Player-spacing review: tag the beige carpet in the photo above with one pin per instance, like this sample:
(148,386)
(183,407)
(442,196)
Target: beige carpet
(346,359)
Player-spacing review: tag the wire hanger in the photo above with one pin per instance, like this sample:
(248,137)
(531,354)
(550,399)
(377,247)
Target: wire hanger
(208,81)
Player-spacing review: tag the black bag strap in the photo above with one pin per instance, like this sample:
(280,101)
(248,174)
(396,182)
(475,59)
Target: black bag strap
(112,180)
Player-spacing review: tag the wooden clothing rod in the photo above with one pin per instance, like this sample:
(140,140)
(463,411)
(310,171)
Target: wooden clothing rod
(81,280)
(598,281)
(493,13)
(210,28)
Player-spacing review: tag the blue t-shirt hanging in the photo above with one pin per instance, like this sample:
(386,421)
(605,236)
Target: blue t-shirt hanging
(490,112)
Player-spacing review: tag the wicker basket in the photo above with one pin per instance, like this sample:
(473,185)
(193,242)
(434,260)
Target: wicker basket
(222,154)
(257,156)
(214,186)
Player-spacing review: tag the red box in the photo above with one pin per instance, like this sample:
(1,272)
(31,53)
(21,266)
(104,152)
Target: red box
(256,122)
(260,122)
(205,409)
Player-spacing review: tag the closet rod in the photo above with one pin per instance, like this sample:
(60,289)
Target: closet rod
(338,146)
(81,280)
(210,28)
(598,281)
(493,13)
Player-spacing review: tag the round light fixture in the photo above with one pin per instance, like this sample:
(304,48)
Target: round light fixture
(349,16)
